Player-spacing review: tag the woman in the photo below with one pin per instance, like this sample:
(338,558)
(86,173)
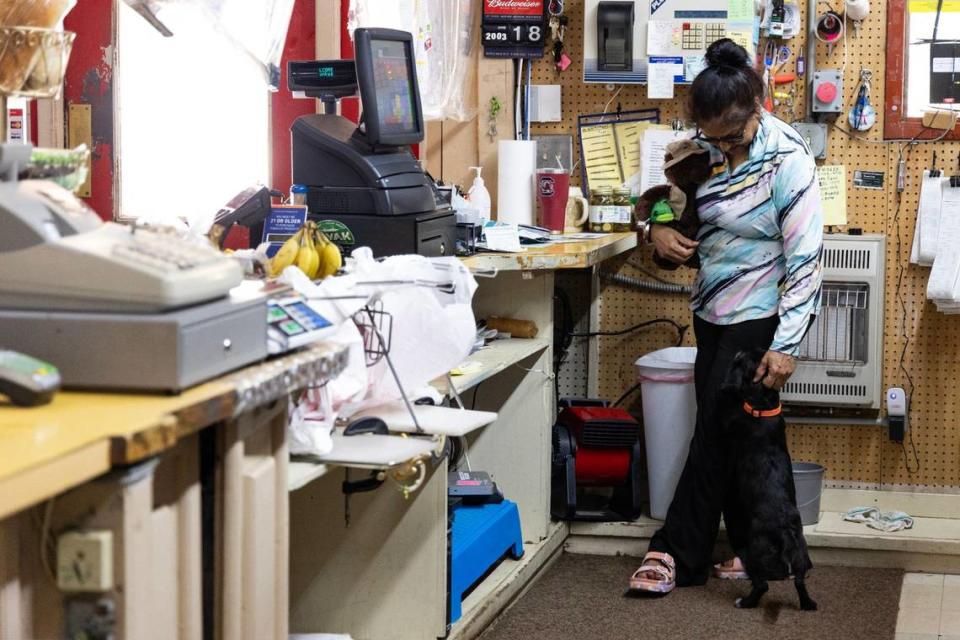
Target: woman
(759,246)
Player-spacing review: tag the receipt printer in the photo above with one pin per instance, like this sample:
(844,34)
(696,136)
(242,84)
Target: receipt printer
(615,36)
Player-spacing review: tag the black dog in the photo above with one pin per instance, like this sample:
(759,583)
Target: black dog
(764,482)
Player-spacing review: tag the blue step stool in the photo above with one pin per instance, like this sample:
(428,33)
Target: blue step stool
(481,536)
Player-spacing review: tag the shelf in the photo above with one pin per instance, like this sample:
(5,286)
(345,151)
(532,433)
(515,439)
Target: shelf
(301,473)
(494,358)
(445,421)
(367,451)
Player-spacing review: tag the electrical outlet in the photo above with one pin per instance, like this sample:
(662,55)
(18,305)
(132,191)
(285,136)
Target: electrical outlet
(85,561)
(815,135)
(898,421)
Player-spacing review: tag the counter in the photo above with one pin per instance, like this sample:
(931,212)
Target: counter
(46,450)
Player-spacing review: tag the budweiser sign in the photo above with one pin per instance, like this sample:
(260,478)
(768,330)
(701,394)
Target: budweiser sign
(513,7)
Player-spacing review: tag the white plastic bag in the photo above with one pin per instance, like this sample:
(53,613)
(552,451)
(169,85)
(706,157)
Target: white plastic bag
(256,28)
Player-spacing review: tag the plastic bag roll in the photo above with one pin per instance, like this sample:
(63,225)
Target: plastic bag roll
(517,164)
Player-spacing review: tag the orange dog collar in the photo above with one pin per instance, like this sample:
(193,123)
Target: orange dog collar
(762,413)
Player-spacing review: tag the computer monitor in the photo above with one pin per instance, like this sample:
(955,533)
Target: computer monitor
(387,75)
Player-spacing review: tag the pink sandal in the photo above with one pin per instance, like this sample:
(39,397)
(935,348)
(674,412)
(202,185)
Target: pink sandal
(661,564)
(730,570)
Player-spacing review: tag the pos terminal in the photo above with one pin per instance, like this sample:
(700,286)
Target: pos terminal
(364,186)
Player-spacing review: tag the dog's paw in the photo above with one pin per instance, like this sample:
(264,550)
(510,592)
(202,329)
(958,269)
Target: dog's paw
(738,603)
(810,605)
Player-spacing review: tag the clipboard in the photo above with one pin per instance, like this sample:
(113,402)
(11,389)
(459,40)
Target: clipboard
(610,145)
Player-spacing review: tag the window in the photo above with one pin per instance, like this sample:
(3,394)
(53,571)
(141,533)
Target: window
(192,118)
(923,64)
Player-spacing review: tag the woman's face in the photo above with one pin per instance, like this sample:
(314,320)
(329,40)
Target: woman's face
(728,136)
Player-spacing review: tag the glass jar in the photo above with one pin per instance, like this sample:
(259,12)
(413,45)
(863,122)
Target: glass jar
(601,209)
(623,214)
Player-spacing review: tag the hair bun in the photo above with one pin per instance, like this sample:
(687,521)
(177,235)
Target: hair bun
(727,54)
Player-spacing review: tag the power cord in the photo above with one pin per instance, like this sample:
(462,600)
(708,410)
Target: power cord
(681,331)
(903,322)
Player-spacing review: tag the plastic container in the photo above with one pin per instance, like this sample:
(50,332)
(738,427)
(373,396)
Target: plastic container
(479,196)
(298,194)
(808,479)
(669,417)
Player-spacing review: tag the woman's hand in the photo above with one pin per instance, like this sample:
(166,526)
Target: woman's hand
(671,244)
(775,369)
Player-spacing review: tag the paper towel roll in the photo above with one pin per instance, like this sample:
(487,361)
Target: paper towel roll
(517,166)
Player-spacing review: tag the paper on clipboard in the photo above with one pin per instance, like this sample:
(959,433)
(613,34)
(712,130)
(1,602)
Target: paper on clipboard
(652,149)
(629,135)
(600,156)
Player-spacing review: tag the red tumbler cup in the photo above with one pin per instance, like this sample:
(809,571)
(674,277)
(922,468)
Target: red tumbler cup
(553,190)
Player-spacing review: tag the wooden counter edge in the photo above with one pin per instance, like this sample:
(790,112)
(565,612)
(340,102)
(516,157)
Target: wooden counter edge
(43,481)
(537,260)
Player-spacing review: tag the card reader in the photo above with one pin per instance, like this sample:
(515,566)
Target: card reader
(292,322)
(28,382)
(473,487)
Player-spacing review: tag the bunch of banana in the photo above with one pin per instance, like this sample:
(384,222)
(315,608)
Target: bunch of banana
(311,251)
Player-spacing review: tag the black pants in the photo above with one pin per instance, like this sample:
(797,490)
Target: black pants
(705,486)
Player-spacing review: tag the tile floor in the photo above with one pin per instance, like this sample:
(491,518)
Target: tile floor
(929,607)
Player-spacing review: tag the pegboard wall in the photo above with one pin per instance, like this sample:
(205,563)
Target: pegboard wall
(855,456)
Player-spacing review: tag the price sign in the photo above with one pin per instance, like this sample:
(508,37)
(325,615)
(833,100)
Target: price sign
(513,28)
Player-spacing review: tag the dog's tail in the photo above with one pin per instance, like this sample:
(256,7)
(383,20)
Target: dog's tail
(794,553)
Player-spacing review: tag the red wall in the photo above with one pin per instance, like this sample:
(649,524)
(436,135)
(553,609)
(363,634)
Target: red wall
(301,45)
(89,80)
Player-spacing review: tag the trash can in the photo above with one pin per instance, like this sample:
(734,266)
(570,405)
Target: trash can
(669,416)
(808,479)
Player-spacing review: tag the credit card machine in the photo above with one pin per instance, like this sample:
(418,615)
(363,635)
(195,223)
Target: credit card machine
(28,382)
(292,322)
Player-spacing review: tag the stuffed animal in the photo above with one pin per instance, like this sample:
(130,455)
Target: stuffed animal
(687,166)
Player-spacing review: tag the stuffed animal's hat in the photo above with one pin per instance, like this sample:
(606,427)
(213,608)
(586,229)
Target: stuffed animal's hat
(680,150)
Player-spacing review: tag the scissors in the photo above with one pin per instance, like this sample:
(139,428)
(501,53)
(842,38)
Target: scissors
(783,57)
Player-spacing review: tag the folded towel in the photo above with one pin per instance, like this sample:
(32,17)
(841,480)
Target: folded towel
(886,521)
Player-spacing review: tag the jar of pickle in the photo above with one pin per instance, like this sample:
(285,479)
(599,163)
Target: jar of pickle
(610,210)
(601,206)
(623,215)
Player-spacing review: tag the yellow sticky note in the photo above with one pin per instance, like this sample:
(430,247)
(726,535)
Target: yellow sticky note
(833,194)
(930,6)
(742,37)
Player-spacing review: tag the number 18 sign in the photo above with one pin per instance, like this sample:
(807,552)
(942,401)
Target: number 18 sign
(513,28)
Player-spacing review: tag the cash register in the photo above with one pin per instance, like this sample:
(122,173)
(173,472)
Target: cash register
(117,306)
(364,186)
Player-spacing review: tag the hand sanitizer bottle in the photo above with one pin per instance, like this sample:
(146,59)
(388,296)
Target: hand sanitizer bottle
(479,196)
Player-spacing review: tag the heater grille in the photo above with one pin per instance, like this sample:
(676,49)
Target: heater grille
(839,332)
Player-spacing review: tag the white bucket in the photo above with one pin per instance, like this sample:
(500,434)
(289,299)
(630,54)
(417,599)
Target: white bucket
(669,417)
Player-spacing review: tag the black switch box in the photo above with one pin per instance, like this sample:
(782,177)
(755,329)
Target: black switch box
(615,36)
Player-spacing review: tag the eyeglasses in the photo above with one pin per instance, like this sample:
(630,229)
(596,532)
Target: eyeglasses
(734,138)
